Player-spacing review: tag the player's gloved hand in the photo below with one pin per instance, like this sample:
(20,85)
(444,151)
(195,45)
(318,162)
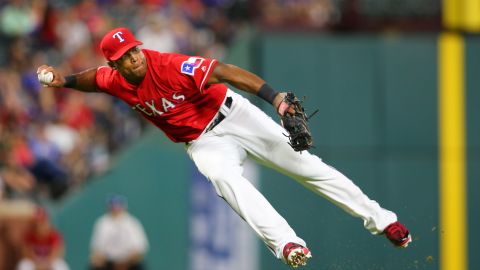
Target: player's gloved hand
(281,105)
(294,120)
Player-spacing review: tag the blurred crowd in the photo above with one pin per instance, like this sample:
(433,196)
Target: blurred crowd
(52,140)
(348,15)
(297,14)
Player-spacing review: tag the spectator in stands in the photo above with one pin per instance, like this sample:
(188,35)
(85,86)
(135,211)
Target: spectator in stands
(118,241)
(15,221)
(43,247)
(20,17)
(15,182)
(295,14)
(157,34)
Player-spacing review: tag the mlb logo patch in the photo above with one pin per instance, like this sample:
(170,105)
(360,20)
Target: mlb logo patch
(189,66)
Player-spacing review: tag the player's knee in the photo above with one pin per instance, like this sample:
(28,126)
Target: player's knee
(218,177)
(220,173)
(225,188)
(221,180)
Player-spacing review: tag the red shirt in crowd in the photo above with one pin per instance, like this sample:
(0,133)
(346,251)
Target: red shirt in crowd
(43,245)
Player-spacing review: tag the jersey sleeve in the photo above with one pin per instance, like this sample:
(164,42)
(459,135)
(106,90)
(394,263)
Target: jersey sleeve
(104,79)
(195,68)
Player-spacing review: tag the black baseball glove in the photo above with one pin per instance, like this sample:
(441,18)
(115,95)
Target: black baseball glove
(297,124)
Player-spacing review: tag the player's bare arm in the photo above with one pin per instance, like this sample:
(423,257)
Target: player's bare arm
(248,82)
(237,77)
(83,81)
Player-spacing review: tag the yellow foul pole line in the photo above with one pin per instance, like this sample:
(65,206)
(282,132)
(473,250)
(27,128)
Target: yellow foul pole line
(453,242)
(471,15)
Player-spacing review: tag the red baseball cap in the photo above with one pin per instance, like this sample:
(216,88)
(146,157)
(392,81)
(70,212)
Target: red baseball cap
(117,42)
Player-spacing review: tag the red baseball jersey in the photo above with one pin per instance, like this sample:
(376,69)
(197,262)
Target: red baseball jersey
(173,95)
(43,245)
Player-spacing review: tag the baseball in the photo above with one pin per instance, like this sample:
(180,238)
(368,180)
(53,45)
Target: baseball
(45,77)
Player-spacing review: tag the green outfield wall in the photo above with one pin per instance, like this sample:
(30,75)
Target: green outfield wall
(473,148)
(378,122)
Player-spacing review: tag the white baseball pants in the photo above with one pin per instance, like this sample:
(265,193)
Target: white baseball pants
(247,132)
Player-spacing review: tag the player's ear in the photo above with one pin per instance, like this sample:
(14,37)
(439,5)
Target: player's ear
(112,64)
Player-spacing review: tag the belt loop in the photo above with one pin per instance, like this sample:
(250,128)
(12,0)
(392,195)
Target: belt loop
(225,108)
(221,114)
(228,102)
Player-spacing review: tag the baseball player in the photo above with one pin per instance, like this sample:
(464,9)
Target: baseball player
(187,99)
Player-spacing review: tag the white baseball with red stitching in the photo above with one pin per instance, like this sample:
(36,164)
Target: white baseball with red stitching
(45,77)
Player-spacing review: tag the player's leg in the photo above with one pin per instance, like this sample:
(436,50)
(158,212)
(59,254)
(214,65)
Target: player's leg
(314,174)
(220,159)
(263,138)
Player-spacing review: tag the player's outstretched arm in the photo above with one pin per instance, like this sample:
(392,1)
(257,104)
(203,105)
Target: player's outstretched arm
(83,81)
(246,81)
(239,78)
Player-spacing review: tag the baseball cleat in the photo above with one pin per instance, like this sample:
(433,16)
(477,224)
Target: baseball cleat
(398,234)
(296,255)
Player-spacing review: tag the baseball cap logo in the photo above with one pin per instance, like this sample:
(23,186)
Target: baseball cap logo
(116,42)
(118,35)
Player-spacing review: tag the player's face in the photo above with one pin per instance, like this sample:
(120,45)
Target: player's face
(132,65)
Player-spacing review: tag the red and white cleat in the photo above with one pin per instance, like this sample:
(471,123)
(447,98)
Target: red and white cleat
(296,255)
(398,234)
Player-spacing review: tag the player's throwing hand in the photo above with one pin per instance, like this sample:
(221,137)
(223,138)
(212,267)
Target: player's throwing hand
(49,76)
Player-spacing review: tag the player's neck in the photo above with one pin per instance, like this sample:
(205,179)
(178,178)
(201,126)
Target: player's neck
(134,79)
